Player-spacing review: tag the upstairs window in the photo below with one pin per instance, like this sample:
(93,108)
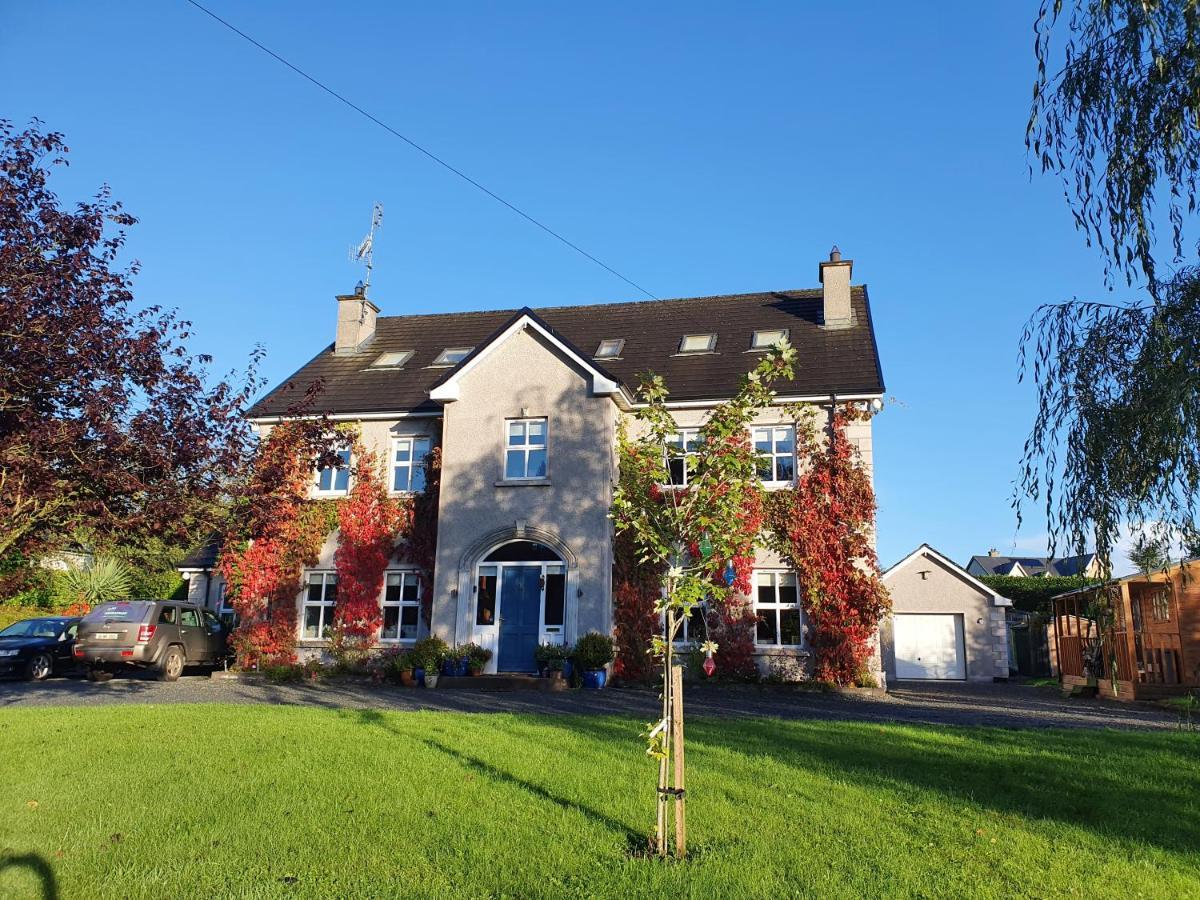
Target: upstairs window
(525,449)
(775,448)
(768,338)
(777,605)
(452,356)
(401,606)
(408,464)
(698,343)
(681,454)
(610,349)
(335,479)
(393,359)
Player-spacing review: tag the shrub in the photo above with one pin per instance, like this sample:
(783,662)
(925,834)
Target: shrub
(429,652)
(552,656)
(477,657)
(594,650)
(1033,594)
(105,579)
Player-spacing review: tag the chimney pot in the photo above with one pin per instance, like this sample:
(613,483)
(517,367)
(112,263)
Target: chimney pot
(835,290)
(993,552)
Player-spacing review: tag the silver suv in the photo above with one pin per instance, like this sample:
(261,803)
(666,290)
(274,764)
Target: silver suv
(161,635)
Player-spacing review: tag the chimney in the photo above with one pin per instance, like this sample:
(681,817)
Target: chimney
(993,552)
(835,290)
(356,320)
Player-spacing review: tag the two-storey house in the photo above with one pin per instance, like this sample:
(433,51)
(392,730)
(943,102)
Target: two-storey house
(525,404)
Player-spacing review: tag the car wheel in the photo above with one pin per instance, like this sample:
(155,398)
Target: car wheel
(94,674)
(41,667)
(171,666)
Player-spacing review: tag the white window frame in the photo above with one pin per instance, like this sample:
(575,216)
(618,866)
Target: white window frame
(758,341)
(774,609)
(221,603)
(682,436)
(709,347)
(526,447)
(400,604)
(328,577)
(443,361)
(774,453)
(398,359)
(334,491)
(414,463)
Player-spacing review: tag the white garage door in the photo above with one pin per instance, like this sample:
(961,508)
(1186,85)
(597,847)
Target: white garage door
(929,646)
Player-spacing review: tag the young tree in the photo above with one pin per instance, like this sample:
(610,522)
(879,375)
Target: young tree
(1149,554)
(1116,437)
(107,423)
(699,539)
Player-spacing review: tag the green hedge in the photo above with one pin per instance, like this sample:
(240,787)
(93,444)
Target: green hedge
(1033,594)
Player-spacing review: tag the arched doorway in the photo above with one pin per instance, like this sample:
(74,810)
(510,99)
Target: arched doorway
(520,601)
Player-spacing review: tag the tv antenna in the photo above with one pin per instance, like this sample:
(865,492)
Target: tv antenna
(365,250)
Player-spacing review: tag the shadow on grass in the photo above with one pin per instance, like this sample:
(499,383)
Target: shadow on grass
(38,866)
(635,843)
(1101,781)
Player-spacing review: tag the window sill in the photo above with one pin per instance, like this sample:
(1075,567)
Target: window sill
(523,482)
(777,650)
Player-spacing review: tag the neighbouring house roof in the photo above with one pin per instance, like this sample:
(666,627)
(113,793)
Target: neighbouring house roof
(842,361)
(928,552)
(1033,566)
(202,557)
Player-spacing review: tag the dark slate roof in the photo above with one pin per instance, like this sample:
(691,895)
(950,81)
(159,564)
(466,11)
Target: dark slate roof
(1035,565)
(842,361)
(203,556)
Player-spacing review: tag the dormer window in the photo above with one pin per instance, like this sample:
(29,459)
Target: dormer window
(610,348)
(452,356)
(698,343)
(768,338)
(393,359)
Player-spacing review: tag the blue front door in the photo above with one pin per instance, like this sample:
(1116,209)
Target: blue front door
(520,608)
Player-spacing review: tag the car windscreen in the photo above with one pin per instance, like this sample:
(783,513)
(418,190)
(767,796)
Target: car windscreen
(120,611)
(47,628)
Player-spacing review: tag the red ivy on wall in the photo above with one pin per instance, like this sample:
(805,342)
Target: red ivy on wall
(636,589)
(823,527)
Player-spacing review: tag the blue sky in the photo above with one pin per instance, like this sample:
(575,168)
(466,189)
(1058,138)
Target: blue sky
(697,148)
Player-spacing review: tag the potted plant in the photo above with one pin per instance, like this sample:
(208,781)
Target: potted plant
(402,666)
(593,653)
(428,654)
(476,658)
(549,659)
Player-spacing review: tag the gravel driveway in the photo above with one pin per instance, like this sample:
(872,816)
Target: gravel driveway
(1002,705)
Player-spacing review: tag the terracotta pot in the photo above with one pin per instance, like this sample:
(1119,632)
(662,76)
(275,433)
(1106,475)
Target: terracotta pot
(407,679)
(476,671)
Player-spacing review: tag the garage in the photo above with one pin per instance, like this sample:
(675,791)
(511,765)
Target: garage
(929,646)
(946,625)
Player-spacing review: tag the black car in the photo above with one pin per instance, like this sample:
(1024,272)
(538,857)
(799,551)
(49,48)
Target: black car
(37,648)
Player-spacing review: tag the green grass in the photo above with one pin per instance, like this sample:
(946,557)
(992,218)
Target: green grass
(215,801)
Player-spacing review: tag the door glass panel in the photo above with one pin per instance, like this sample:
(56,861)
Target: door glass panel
(556,583)
(485,610)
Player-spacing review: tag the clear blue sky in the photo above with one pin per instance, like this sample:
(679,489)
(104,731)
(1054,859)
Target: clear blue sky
(698,148)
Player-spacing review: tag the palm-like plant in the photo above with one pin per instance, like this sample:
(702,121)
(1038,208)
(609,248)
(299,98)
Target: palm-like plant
(105,579)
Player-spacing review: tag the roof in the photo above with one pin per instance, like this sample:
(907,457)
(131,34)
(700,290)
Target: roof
(951,566)
(841,361)
(1168,572)
(203,556)
(1062,566)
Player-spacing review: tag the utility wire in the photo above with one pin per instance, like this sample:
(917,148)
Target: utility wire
(437,159)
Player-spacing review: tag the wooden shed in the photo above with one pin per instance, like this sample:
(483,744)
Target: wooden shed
(1134,638)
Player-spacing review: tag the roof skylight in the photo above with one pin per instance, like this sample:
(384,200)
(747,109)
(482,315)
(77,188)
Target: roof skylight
(698,343)
(767,338)
(452,356)
(392,359)
(610,348)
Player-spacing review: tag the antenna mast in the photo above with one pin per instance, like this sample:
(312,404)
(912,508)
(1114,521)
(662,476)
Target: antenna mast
(365,251)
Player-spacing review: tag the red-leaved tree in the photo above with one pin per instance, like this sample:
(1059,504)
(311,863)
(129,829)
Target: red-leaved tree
(107,422)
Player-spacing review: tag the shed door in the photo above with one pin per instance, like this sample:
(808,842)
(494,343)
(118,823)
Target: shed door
(929,647)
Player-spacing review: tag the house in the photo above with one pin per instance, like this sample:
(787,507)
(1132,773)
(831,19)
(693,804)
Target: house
(1087,565)
(945,624)
(1132,638)
(525,406)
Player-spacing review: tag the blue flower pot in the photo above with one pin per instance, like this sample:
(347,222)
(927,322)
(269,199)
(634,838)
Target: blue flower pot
(567,669)
(462,668)
(419,675)
(593,679)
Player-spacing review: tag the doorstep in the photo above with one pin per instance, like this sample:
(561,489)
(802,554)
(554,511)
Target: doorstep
(501,683)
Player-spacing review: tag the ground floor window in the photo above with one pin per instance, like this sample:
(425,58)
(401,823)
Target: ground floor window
(224,608)
(401,606)
(777,605)
(320,597)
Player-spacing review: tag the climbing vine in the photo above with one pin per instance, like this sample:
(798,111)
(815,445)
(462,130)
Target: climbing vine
(823,527)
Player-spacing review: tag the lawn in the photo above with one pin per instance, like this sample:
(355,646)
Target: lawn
(216,801)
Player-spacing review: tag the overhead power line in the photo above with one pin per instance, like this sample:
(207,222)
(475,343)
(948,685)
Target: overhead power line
(430,154)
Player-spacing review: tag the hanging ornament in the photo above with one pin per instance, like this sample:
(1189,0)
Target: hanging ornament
(709,665)
(706,547)
(730,573)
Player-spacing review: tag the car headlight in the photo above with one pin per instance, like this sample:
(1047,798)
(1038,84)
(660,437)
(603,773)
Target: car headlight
(9,652)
